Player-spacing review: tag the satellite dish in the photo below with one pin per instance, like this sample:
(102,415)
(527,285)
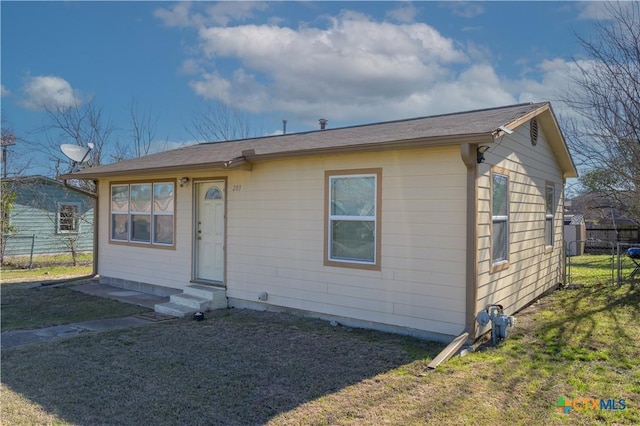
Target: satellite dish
(76,153)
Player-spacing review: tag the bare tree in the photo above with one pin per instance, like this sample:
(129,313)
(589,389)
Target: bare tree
(220,122)
(142,133)
(143,130)
(12,165)
(605,138)
(79,124)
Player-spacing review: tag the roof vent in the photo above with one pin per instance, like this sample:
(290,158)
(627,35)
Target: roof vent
(533,131)
(323,123)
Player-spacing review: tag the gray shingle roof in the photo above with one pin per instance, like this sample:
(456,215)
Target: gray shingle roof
(440,129)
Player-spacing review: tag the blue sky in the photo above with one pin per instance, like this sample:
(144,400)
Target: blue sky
(348,62)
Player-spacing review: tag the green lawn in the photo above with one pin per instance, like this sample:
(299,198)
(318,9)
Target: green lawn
(597,269)
(45,268)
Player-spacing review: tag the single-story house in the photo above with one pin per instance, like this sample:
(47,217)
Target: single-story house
(410,226)
(48,217)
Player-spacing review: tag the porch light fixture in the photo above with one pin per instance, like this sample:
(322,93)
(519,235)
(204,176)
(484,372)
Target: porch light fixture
(480,153)
(184,181)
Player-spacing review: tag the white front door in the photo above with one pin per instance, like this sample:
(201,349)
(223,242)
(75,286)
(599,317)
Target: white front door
(209,231)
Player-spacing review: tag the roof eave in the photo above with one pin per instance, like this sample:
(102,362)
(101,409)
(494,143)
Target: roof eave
(151,170)
(244,162)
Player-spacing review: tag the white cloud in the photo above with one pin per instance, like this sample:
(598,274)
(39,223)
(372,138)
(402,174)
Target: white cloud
(465,9)
(351,67)
(224,12)
(178,16)
(49,92)
(190,66)
(406,13)
(221,13)
(353,61)
(4,91)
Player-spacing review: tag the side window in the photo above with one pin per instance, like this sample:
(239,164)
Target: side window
(68,218)
(353,219)
(499,220)
(548,219)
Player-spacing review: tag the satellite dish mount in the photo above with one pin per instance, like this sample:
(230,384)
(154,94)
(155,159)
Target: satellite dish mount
(76,153)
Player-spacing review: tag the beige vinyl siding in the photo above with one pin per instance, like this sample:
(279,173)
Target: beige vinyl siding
(155,265)
(280,250)
(275,240)
(533,267)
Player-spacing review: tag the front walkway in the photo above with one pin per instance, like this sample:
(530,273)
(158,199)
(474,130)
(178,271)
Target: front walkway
(15,338)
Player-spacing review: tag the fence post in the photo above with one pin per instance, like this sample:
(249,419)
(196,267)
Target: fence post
(33,243)
(613,254)
(564,264)
(568,266)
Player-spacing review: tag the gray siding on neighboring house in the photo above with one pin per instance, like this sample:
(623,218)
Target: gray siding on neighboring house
(35,213)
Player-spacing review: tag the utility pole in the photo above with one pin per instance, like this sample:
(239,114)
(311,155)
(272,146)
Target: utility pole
(7,140)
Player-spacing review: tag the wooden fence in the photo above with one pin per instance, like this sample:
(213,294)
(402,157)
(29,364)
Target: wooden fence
(614,234)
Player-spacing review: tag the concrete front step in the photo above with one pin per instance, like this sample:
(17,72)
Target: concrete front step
(195,302)
(206,292)
(194,298)
(173,309)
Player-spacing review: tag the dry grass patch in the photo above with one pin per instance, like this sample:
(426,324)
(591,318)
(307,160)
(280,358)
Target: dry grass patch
(30,305)
(245,367)
(237,367)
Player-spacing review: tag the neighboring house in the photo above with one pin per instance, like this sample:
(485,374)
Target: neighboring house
(409,226)
(599,208)
(48,218)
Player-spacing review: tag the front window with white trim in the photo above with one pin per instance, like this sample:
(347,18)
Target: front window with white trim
(353,222)
(143,213)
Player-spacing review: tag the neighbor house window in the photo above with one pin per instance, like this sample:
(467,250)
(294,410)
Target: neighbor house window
(548,220)
(500,219)
(68,220)
(143,213)
(352,219)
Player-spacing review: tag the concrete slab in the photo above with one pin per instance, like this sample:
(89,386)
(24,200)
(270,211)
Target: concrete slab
(112,324)
(12,339)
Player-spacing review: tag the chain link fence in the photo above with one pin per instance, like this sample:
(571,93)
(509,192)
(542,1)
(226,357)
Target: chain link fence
(601,262)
